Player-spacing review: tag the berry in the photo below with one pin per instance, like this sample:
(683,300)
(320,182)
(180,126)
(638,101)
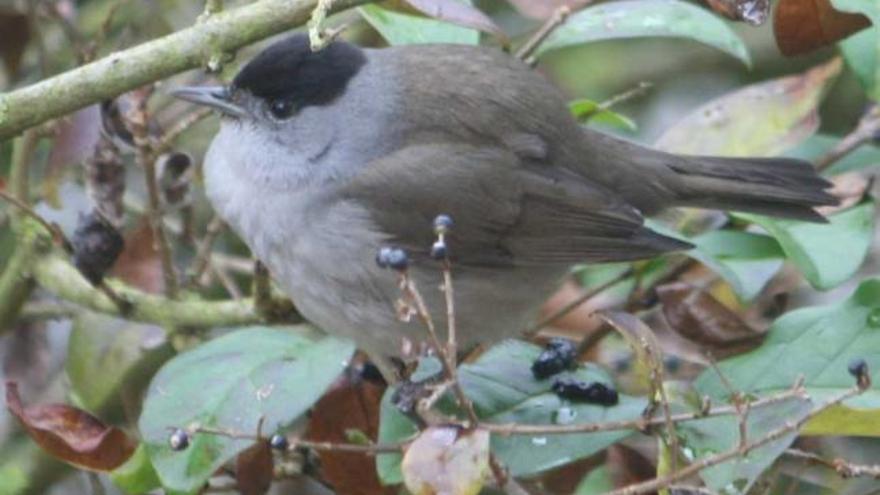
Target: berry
(442,224)
(580,391)
(392,257)
(857,367)
(278,442)
(438,250)
(558,355)
(179,440)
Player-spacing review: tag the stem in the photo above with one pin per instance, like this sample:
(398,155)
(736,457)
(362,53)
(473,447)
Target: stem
(868,127)
(737,451)
(58,276)
(557,19)
(632,424)
(586,296)
(151,61)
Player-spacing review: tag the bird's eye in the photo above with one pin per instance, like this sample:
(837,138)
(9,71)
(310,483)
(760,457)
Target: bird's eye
(281,109)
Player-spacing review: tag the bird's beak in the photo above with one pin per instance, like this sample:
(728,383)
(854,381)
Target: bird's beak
(216,97)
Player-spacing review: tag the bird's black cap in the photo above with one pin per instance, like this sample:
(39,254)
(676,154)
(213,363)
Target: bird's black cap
(290,71)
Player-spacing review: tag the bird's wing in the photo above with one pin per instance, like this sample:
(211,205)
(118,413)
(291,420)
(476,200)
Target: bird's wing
(505,213)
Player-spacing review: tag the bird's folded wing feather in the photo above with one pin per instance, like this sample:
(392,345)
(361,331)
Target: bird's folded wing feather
(505,213)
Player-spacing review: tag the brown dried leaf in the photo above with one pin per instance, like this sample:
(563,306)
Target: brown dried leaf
(16,34)
(139,264)
(254,469)
(753,12)
(352,405)
(445,460)
(697,316)
(802,26)
(71,434)
(543,9)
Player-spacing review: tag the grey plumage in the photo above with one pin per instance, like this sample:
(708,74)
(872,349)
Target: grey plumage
(413,132)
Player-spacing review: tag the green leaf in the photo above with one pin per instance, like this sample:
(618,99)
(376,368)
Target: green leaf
(705,437)
(643,18)
(503,390)
(589,111)
(106,355)
(745,260)
(827,254)
(596,482)
(866,155)
(818,343)
(862,50)
(137,475)
(231,382)
(763,119)
(405,29)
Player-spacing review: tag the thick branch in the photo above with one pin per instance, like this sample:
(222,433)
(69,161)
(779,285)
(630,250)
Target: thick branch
(58,276)
(125,70)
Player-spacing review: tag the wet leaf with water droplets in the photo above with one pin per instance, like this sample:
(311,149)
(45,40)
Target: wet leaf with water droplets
(232,382)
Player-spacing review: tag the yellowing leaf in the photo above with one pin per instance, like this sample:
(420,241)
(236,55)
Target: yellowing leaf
(763,119)
(447,461)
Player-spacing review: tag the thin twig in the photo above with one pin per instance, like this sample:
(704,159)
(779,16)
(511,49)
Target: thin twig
(737,451)
(631,424)
(136,121)
(296,443)
(842,467)
(166,140)
(586,296)
(53,228)
(203,255)
(639,90)
(407,285)
(557,19)
(866,130)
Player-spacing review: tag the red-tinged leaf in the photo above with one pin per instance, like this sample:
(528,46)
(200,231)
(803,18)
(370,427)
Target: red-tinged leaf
(71,434)
(802,26)
(254,468)
(543,9)
(352,405)
(459,13)
(16,34)
(697,316)
(753,12)
(139,264)
(75,141)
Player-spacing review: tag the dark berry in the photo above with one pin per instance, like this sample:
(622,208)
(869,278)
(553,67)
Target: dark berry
(442,224)
(392,257)
(438,250)
(278,442)
(859,369)
(672,364)
(96,245)
(558,355)
(580,391)
(179,440)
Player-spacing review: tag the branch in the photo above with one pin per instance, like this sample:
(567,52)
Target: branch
(58,276)
(151,61)
(737,451)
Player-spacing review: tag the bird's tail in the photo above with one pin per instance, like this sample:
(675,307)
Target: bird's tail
(780,187)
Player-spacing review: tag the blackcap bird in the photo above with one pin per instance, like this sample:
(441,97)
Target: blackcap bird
(324,157)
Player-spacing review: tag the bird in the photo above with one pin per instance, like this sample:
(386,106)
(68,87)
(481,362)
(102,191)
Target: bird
(325,157)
